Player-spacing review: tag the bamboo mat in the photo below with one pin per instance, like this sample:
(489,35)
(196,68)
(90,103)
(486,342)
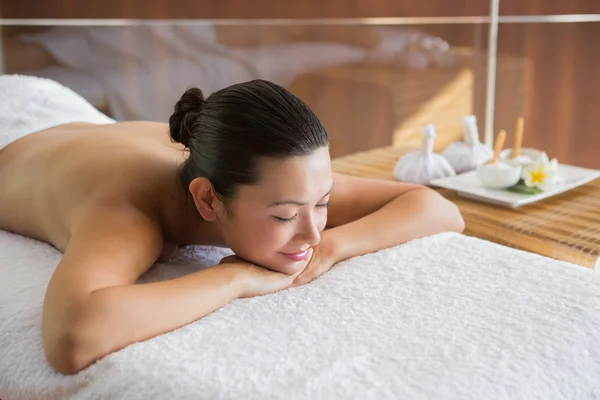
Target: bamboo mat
(565,227)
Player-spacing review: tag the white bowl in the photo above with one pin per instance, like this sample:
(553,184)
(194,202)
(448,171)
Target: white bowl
(499,175)
(526,157)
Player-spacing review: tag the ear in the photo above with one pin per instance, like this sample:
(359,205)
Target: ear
(205,198)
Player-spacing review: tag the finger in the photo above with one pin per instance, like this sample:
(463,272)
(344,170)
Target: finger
(296,276)
(304,278)
(305,267)
(309,276)
(300,282)
(298,279)
(304,274)
(309,257)
(307,271)
(296,283)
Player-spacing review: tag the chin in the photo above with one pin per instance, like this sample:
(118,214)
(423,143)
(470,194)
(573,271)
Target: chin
(278,262)
(285,266)
(291,268)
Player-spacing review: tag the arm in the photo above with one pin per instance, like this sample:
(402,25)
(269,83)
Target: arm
(391,212)
(93,306)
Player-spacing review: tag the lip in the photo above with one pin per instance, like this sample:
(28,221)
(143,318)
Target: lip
(297,256)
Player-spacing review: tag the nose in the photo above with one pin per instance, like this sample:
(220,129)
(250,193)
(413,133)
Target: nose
(310,233)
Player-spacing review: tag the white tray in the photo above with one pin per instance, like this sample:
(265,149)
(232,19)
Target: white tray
(468,185)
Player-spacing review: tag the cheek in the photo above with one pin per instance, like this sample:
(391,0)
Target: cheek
(258,239)
(322,220)
(271,237)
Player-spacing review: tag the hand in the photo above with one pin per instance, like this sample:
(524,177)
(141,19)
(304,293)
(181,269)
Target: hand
(321,261)
(258,281)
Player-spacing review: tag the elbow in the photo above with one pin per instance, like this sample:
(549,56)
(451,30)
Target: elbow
(458,222)
(453,218)
(70,352)
(64,354)
(447,213)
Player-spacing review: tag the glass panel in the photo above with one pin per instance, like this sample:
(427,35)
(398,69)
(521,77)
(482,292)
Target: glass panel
(371,86)
(557,89)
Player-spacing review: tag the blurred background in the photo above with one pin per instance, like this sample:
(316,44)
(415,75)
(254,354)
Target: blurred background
(373,81)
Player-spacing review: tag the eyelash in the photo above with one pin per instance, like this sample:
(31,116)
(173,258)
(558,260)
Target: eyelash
(284,220)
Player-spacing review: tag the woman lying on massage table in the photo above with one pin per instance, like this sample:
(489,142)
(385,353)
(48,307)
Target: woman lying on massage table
(248,168)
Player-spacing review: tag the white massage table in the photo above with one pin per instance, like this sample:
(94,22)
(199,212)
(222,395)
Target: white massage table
(445,317)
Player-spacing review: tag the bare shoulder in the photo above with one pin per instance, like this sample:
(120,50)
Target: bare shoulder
(48,182)
(143,131)
(119,241)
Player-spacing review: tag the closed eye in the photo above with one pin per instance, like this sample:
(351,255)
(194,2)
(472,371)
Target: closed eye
(284,220)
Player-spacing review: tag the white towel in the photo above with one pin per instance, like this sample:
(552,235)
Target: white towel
(444,317)
(29,104)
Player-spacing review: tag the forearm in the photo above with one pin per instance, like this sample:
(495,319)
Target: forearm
(415,214)
(115,317)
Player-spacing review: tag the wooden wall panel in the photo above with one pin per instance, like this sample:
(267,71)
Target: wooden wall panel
(282,9)
(564,83)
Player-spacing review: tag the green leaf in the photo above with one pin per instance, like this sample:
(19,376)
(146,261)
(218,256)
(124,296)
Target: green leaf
(521,187)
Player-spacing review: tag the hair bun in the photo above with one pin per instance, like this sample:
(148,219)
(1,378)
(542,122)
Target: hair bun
(186,113)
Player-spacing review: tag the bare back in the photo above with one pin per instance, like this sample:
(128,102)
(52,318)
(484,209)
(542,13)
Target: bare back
(108,197)
(52,179)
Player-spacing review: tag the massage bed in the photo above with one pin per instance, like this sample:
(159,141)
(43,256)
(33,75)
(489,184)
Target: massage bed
(446,317)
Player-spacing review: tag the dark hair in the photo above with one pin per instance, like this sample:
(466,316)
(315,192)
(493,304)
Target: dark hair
(228,131)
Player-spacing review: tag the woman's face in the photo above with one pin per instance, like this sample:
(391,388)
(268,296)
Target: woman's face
(275,222)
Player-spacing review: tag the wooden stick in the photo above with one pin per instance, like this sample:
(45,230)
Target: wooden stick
(498,146)
(518,137)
